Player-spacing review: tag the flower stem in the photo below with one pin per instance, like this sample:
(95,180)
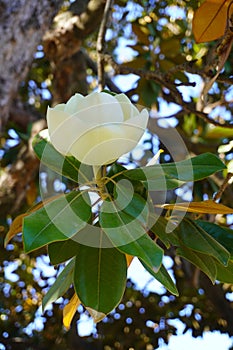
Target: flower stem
(99,174)
(97,169)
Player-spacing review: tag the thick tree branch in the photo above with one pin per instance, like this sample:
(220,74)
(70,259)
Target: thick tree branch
(69,77)
(21,117)
(70,30)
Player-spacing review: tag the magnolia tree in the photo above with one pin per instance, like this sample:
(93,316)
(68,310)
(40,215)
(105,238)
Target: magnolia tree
(106,218)
(115,208)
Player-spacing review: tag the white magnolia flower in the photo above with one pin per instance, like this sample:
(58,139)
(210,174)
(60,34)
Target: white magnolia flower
(96,129)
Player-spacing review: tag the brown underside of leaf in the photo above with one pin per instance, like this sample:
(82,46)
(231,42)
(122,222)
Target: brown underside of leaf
(205,207)
(96,315)
(210,20)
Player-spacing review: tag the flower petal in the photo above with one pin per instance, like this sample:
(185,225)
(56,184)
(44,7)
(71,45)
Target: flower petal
(129,110)
(72,105)
(62,129)
(96,129)
(106,143)
(60,107)
(141,120)
(99,108)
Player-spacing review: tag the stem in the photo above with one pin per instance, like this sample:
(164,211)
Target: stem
(99,173)
(97,169)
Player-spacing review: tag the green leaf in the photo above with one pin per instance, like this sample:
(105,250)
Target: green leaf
(225,274)
(59,252)
(204,262)
(127,208)
(126,228)
(159,229)
(60,286)
(100,278)
(115,169)
(221,234)
(167,237)
(145,249)
(172,175)
(163,277)
(58,220)
(69,167)
(195,238)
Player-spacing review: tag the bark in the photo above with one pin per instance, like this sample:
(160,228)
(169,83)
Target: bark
(16,180)
(71,27)
(22,26)
(69,77)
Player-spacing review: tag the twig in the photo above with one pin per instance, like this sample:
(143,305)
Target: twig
(187,83)
(206,118)
(100,45)
(225,80)
(120,69)
(222,188)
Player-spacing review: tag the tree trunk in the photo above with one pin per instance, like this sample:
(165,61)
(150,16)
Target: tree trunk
(22,26)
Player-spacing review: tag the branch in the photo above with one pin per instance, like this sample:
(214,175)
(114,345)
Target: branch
(110,84)
(100,46)
(162,79)
(22,117)
(70,29)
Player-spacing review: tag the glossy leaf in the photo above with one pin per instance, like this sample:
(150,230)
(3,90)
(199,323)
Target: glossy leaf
(60,286)
(163,277)
(145,249)
(205,207)
(225,274)
(99,279)
(195,238)
(69,166)
(129,201)
(128,208)
(172,175)
(70,310)
(210,20)
(204,262)
(17,224)
(137,186)
(59,220)
(59,252)
(126,230)
(159,229)
(221,234)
